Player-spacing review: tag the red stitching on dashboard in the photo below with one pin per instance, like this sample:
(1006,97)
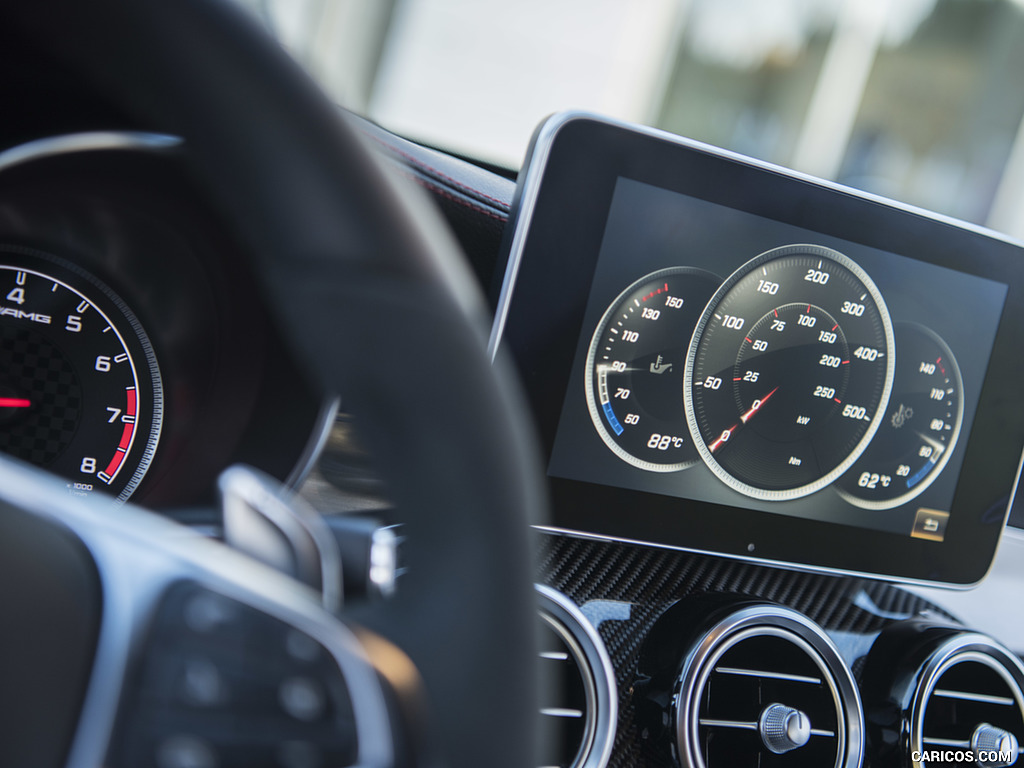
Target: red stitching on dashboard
(444,194)
(413,159)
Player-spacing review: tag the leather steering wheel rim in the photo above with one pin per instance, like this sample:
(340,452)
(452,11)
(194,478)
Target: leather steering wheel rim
(376,310)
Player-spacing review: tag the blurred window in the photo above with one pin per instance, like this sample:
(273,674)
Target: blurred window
(918,100)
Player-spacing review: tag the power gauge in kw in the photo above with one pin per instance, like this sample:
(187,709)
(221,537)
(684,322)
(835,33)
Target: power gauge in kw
(789,372)
(920,429)
(635,368)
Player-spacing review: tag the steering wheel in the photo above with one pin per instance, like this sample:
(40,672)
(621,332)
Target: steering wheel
(99,603)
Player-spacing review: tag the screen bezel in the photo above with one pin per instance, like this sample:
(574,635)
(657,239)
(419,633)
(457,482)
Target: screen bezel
(551,248)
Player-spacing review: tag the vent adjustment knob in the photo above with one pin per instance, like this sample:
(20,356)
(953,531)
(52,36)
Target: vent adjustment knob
(988,741)
(783,728)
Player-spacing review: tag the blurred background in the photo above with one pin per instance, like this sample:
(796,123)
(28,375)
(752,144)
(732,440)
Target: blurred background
(918,100)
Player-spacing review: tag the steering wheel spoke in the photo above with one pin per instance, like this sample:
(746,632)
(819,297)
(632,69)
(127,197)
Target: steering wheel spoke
(356,271)
(198,656)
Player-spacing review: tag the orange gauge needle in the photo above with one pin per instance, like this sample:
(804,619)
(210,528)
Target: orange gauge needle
(756,406)
(14,402)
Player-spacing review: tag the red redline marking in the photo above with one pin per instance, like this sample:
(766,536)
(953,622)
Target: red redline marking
(738,378)
(939,363)
(835,326)
(132,401)
(115,462)
(837,399)
(776,312)
(808,308)
(15,402)
(846,362)
(749,340)
(126,437)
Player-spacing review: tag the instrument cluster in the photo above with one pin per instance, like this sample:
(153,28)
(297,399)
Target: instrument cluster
(785,378)
(137,357)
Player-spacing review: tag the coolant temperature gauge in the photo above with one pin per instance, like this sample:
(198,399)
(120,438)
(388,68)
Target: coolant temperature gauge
(635,368)
(920,429)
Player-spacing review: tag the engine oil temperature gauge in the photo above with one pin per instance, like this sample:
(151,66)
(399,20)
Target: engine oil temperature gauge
(635,368)
(920,429)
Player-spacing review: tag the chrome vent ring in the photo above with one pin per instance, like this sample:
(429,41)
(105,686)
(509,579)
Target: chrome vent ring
(766,685)
(969,698)
(579,710)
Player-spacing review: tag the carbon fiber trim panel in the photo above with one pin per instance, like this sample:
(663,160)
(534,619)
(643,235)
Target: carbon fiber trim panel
(623,589)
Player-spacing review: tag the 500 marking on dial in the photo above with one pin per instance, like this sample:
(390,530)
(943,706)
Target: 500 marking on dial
(788,372)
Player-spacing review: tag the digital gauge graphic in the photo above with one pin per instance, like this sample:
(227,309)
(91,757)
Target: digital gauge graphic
(789,372)
(635,366)
(920,428)
(80,391)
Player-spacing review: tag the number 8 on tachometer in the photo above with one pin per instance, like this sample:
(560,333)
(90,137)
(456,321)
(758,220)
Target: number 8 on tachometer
(789,372)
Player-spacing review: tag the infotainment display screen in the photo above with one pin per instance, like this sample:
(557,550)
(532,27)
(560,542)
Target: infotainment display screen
(729,358)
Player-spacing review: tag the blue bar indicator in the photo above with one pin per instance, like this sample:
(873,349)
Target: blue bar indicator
(610,415)
(920,474)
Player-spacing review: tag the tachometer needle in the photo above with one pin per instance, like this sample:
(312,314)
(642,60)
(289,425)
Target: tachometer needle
(756,406)
(14,402)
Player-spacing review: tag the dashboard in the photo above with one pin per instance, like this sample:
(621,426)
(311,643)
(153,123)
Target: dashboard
(704,609)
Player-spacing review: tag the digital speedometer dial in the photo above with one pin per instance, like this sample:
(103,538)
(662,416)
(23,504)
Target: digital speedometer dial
(635,365)
(789,372)
(80,391)
(920,428)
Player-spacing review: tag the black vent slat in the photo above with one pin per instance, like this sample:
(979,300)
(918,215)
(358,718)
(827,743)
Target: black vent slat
(737,691)
(564,707)
(578,708)
(763,686)
(966,695)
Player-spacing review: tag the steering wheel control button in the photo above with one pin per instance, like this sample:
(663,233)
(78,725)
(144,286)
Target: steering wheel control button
(302,698)
(302,647)
(300,754)
(185,752)
(202,684)
(246,687)
(207,612)
(783,729)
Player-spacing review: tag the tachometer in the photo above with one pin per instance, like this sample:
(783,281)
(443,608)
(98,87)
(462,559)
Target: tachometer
(635,365)
(789,372)
(80,390)
(920,429)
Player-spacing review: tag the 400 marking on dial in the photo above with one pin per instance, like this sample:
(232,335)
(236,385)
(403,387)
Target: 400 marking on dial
(789,372)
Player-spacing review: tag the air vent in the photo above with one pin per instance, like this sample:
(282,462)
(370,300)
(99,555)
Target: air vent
(580,706)
(969,698)
(766,687)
